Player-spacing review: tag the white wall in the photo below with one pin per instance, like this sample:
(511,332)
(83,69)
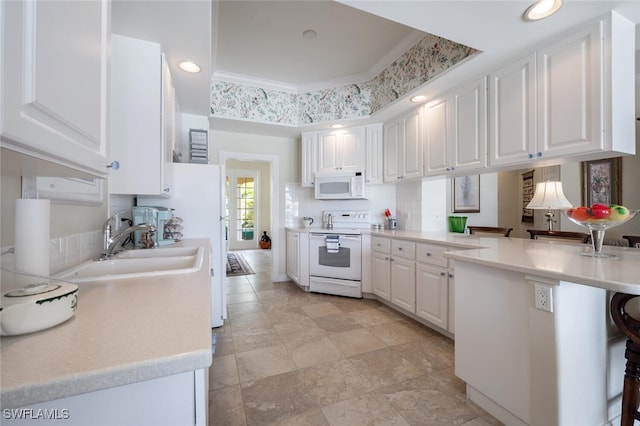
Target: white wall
(488,215)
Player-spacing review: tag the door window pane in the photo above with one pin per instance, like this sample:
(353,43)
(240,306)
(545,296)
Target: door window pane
(245,199)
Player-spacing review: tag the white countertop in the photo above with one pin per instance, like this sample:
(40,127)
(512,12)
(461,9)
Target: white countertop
(123,332)
(545,258)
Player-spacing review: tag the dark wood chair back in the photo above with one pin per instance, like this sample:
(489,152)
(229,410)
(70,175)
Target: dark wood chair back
(490,230)
(564,235)
(634,240)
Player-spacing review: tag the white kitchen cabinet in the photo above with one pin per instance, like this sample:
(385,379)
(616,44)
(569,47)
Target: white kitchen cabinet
(309,154)
(403,275)
(432,285)
(341,150)
(141,118)
(381,267)
(512,103)
(455,130)
(55,83)
(583,88)
(403,147)
(293,250)
(373,154)
(183,398)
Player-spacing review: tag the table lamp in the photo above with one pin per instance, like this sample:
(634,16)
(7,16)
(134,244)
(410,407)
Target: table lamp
(549,196)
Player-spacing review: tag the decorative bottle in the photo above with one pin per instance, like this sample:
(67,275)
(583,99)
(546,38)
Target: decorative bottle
(265,241)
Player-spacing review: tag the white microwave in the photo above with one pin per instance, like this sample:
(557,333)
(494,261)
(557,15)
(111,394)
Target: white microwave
(339,186)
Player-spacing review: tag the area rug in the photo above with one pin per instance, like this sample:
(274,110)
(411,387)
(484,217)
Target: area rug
(237,265)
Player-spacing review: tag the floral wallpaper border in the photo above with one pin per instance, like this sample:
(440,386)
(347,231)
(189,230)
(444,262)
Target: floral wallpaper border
(429,57)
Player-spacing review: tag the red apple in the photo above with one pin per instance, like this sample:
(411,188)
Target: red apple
(600,211)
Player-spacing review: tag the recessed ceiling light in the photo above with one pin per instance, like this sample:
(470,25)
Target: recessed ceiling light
(419,98)
(336,126)
(542,9)
(189,66)
(309,34)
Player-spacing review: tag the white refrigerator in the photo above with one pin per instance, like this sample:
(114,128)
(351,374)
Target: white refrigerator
(198,198)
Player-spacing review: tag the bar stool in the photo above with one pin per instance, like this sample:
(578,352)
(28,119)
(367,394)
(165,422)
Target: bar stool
(630,327)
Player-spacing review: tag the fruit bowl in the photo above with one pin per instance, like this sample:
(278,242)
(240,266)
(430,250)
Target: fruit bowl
(597,219)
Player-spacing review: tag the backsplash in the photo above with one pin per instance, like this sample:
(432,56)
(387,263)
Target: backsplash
(64,252)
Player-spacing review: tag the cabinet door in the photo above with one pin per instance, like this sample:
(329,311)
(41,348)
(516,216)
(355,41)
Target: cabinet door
(512,100)
(168,110)
(393,137)
(351,147)
(373,155)
(470,127)
(436,136)
(412,152)
(136,117)
(293,265)
(570,85)
(54,100)
(381,275)
(328,160)
(432,294)
(309,152)
(403,283)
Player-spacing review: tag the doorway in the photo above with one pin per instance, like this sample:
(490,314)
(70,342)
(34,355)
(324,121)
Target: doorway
(269,209)
(242,191)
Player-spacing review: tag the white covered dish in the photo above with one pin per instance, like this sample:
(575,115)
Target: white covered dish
(36,307)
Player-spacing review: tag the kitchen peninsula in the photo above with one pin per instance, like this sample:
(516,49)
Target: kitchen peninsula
(137,351)
(558,360)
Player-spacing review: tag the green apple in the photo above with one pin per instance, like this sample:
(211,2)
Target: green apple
(618,213)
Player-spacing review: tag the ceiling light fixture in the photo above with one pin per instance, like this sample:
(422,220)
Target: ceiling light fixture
(541,9)
(419,98)
(189,66)
(336,126)
(309,34)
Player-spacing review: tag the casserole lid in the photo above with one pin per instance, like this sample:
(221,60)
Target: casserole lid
(38,292)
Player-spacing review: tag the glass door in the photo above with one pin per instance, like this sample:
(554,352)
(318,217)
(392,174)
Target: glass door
(242,193)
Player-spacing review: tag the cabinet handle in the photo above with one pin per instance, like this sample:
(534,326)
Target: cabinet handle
(448,169)
(453,168)
(399,248)
(450,275)
(167,189)
(529,155)
(428,254)
(442,274)
(539,154)
(115,165)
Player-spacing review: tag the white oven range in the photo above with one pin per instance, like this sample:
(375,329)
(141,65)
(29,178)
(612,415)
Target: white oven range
(335,255)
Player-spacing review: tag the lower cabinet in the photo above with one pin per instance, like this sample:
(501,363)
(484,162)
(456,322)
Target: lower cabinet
(415,277)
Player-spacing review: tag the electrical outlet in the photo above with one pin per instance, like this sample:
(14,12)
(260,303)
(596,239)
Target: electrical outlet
(543,297)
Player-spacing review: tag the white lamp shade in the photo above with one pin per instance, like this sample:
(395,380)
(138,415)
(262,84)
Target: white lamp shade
(549,195)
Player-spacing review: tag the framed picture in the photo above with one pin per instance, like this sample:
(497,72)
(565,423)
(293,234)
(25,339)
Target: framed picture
(601,181)
(466,194)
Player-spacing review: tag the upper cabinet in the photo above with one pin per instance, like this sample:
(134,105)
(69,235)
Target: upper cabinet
(334,151)
(55,82)
(564,100)
(402,152)
(341,150)
(142,116)
(455,130)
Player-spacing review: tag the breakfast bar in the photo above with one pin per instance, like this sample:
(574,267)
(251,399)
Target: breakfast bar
(133,346)
(535,342)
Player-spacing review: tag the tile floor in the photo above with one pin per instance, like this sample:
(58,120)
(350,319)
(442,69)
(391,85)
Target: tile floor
(287,357)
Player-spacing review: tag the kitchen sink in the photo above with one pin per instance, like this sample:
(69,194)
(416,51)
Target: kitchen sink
(136,264)
(159,252)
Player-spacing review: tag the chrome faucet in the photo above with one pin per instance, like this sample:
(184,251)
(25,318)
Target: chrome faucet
(107,230)
(329,221)
(117,239)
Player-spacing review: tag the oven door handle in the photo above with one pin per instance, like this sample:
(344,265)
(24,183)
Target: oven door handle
(342,237)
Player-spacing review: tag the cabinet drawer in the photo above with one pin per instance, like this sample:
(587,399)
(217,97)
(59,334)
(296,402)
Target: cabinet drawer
(404,249)
(432,254)
(382,245)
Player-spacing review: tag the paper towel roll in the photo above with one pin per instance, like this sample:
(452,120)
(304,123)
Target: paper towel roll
(32,236)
